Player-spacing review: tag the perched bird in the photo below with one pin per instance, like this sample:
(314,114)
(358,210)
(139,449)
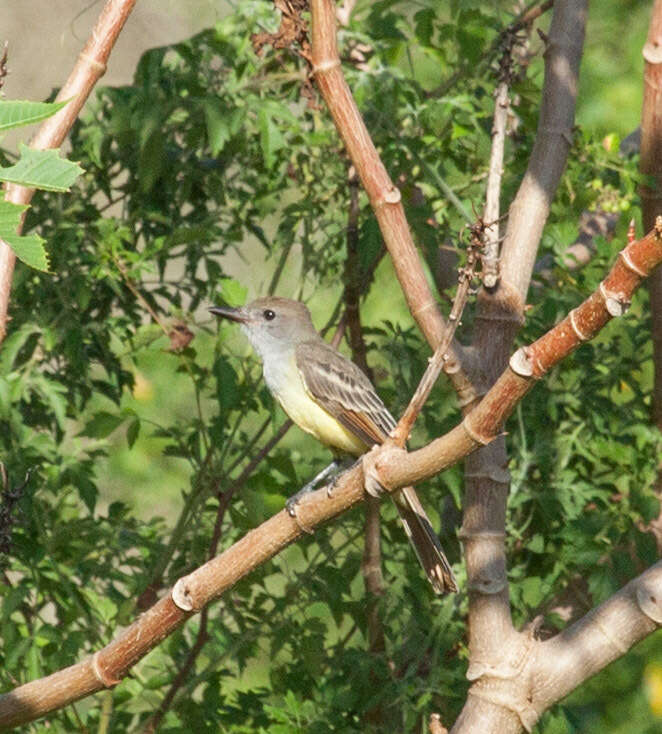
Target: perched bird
(328,396)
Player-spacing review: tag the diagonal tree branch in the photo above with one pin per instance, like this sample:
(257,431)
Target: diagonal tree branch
(387,465)
(384,196)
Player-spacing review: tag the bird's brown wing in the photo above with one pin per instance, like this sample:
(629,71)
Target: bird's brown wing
(340,387)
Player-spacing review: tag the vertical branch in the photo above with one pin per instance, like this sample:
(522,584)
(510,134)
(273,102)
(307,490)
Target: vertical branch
(492,194)
(89,68)
(371,566)
(490,258)
(494,645)
(651,191)
(529,210)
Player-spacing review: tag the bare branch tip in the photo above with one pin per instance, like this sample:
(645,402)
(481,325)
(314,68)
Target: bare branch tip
(521,364)
(615,303)
(649,603)
(181,595)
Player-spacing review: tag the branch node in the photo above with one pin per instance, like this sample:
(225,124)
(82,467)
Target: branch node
(630,265)
(100,674)
(371,479)
(613,640)
(476,435)
(181,595)
(496,474)
(487,587)
(292,512)
(499,690)
(649,603)
(615,303)
(97,65)
(494,535)
(573,322)
(390,196)
(520,363)
(658,227)
(325,66)
(652,53)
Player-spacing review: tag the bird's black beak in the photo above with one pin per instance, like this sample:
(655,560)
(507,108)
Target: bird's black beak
(233,314)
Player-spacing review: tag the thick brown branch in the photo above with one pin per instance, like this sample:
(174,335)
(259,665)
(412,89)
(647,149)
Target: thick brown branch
(498,318)
(604,634)
(651,166)
(508,701)
(89,68)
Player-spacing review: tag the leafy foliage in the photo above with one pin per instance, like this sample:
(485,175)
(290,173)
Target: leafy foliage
(212,178)
(40,169)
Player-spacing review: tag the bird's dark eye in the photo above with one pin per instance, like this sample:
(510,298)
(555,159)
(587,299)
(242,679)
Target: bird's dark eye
(268,314)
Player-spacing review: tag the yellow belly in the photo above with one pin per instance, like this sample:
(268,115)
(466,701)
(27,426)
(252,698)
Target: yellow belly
(313,419)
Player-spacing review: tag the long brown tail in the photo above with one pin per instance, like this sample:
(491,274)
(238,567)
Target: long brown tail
(424,540)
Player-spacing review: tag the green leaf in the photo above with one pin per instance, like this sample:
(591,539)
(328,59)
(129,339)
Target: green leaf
(55,395)
(10,216)
(13,344)
(42,169)
(532,591)
(233,292)
(218,128)
(536,544)
(132,432)
(271,139)
(17,112)
(29,249)
(101,425)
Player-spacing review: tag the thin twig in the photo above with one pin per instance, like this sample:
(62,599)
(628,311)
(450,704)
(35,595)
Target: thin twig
(524,19)
(490,268)
(3,64)
(466,275)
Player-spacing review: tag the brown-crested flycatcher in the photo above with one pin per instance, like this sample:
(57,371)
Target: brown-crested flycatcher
(328,396)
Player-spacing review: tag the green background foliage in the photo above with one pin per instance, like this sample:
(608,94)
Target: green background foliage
(213,178)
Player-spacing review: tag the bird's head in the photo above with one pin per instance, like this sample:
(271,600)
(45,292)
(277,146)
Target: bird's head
(271,324)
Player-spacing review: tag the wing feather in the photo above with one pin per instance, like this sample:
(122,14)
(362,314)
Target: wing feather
(340,387)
